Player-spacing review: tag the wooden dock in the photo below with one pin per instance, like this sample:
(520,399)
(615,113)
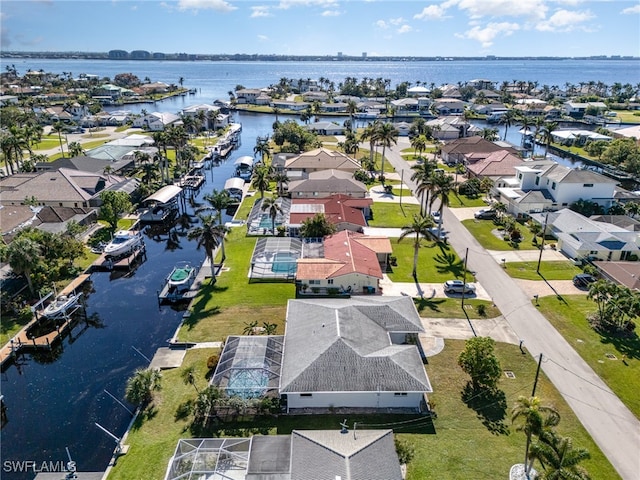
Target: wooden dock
(22,340)
(203,272)
(104,263)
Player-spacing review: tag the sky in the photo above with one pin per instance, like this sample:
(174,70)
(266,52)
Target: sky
(567,28)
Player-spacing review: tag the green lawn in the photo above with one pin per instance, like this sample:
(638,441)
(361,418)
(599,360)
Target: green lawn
(568,316)
(452,308)
(467,436)
(551,270)
(483,230)
(437,262)
(458,201)
(392,215)
(224,308)
(628,116)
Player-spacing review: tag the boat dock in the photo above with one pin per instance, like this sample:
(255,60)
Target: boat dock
(105,263)
(23,340)
(165,296)
(191,182)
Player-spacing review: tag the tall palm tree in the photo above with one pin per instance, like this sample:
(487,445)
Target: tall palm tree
(271,205)
(75,149)
(368,134)
(419,144)
(420,228)
(12,145)
(218,201)
(58,128)
(547,135)
(443,186)
(209,235)
(507,120)
(352,108)
(260,179)
(534,418)
(281,180)
(559,459)
(386,135)
(423,176)
(150,172)
(23,255)
(142,384)
(189,377)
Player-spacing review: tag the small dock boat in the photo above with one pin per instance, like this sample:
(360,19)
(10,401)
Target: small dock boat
(61,305)
(123,242)
(178,283)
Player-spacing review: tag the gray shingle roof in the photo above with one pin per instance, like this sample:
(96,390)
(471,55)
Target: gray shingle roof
(340,346)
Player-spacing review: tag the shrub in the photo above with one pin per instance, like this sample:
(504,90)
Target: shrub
(212,361)
(482,310)
(405,451)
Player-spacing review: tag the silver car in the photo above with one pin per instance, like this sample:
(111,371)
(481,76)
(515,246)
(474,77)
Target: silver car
(458,286)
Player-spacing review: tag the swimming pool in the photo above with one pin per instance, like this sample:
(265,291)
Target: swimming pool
(248,383)
(284,262)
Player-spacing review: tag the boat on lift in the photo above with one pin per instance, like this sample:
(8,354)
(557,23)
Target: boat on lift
(123,242)
(61,305)
(181,277)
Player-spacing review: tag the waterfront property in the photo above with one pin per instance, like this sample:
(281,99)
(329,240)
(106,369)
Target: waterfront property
(161,205)
(353,353)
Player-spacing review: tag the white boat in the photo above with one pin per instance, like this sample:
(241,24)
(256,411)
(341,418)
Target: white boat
(368,114)
(60,305)
(123,242)
(181,277)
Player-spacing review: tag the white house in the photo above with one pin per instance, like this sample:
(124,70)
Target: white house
(352,354)
(550,186)
(581,238)
(157,121)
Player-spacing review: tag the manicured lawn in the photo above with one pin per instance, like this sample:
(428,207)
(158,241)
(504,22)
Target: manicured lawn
(392,215)
(476,439)
(437,262)
(452,308)
(224,308)
(483,230)
(458,201)
(628,116)
(405,192)
(552,270)
(622,375)
(474,436)
(48,142)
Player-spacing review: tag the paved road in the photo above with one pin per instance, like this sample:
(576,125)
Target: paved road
(609,422)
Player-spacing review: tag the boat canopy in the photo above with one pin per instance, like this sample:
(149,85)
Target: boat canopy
(234,183)
(164,195)
(246,161)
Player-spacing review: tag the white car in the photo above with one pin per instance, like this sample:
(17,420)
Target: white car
(458,286)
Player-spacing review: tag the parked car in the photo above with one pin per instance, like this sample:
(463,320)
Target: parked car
(583,280)
(438,236)
(485,214)
(458,286)
(436,215)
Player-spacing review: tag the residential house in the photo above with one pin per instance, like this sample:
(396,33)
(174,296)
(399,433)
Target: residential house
(289,105)
(334,107)
(623,273)
(247,95)
(403,128)
(457,151)
(324,183)
(346,213)
(405,105)
(59,188)
(210,114)
(157,121)
(578,109)
(583,238)
(321,159)
(449,106)
(495,165)
(482,84)
(353,353)
(547,185)
(325,128)
(302,455)
(349,264)
(418,91)
(155,87)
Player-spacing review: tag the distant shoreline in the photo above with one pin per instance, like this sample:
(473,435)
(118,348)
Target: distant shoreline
(143,56)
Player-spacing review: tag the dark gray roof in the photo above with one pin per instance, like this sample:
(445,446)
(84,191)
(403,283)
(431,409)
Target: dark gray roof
(344,346)
(329,454)
(270,458)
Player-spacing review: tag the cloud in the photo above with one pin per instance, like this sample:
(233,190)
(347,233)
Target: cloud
(565,21)
(331,13)
(328,4)
(405,29)
(535,9)
(260,11)
(381,24)
(487,34)
(396,21)
(432,12)
(217,5)
(631,10)
(263,38)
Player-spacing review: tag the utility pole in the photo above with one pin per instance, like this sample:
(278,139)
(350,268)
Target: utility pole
(464,277)
(401,184)
(535,382)
(544,230)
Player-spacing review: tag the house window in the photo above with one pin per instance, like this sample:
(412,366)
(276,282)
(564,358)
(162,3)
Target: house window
(519,176)
(588,185)
(593,252)
(553,186)
(537,180)
(330,281)
(306,394)
(565,204)
(400,394)
(314,282)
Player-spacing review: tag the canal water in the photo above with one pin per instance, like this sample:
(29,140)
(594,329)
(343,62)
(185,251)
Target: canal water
(54,401)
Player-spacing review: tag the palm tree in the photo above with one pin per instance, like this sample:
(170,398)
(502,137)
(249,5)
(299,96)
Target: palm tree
(23,255)
(535,419)
(149,172)
(75,149)
(272,206)
(559,459)
(262,148)
(547,135)
(142,384)
(369,134)
(209,235)
(423,176)
(443,186)
(250,328)
(317,226)
(269,328)
(420,228)
(218,201)
(281,180)
(507,119)
(260,180)
(386,135)
(58,128)
(12,144)
(352,108)
(189,377)
(419,144)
